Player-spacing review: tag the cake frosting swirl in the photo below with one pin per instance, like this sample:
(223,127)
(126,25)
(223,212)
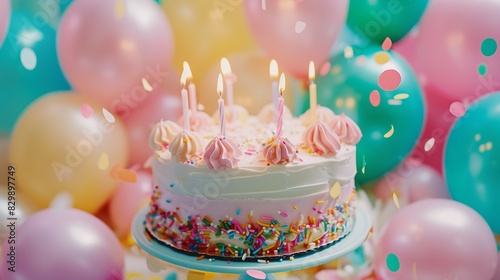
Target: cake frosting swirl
(321,139)
(347,130)
(185,146)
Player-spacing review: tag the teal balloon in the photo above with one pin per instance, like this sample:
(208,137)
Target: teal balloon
(472,159)
(347,87)
(29,67)
(377,20)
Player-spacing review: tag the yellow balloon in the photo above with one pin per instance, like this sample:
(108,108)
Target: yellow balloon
(67,143)
(252,88)
(206,31)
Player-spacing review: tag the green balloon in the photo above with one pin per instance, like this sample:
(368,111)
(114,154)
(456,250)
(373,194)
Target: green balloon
(377,20)
(472,159)
(347,88)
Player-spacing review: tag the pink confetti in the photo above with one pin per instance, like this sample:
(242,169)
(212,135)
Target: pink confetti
(257,274)
(283,214)
(387,44)
(375,98)
(86,110)
(325,68)
(457,109)
(269,218)
(389,79)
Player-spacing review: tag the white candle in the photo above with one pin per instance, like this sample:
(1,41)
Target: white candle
(229,80)
(191,88)
(273,73)
(184,97)
(312,91)
(221,106)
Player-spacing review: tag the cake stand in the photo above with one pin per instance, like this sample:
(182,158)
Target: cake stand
(161,251)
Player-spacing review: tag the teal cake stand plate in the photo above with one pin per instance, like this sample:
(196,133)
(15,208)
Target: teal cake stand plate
(161,251)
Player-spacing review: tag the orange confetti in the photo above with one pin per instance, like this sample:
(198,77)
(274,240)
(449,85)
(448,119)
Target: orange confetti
(390,132)
(382,58)
(369,234)
(126,175)
(114,171)
(395,199)
(375,98)
(387,44)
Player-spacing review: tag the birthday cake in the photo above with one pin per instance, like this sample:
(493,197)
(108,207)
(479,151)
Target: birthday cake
(245,187)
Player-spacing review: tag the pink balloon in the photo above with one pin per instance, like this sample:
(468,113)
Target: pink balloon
(107,47)
(140,120)
(497,272)
(449,48)
(296,32)
(4,18)
(406,46)
(63,244)
(127,200)
(437,124)
(439,239)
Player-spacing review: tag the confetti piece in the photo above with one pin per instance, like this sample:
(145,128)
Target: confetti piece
(108,116)
(401,96)
(145,84)
(457,109)
(63,200)
(114,171)
(335,190)
(414,271)
(364,166)
(257,274)
(299,27)
(392,262)
(394,102)
(369,234)
(195,275)
(263,5)
(395,199)
(325,68)
(387,44)
(103,162)
(86,110)
(348,52)
(429,144)
(28,58)
(238,211)
(336,69)
(360,61)
(482,69)
(120,9)
(477,137)
(488,146)
(375,98)
(382,58)
(488,47)
(389,79)
(129,176)
(390,132)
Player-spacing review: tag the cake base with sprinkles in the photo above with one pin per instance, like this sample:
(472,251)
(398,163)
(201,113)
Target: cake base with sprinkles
(251,194)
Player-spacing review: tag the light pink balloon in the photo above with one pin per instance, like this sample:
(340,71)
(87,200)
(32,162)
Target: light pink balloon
(442,239)
(63,244)
(4,18)
(127,200)
(140,120)
(449,47)
(296,32)
(107,47)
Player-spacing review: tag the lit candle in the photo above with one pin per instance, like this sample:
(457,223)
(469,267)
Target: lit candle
(229,79)
(281,105)
(184,96)
(221,105)
(312,91)
(273,72)
(191,88)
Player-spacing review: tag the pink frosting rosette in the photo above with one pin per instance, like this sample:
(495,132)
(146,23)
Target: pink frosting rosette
(222,152)
(162,133)
(279,151)
(321,139)
(347,130)
(185,146)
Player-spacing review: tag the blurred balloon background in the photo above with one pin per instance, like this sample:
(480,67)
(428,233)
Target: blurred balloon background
(421,78)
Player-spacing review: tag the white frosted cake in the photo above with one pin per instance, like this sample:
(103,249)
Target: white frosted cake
(251,194)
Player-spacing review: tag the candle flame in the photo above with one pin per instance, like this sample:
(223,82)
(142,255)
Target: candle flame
(225,66)
(183,78)
(186,68)
(282,83)
(273,69)
(312,73)
(220,86)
